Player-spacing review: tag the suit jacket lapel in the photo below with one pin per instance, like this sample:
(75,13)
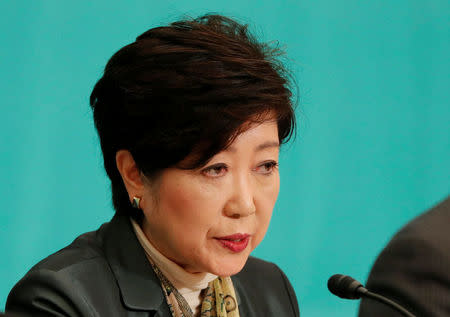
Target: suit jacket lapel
(139,286)
(244,309)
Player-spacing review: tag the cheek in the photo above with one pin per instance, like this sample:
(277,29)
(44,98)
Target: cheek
(268,194)
(189,204)
(266,202)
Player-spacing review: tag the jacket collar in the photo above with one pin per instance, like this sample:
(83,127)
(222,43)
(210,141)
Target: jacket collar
(139,286)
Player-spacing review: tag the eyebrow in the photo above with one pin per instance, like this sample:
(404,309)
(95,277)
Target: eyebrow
(260,147)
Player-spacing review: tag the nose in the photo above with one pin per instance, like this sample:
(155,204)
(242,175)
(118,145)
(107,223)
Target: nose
(242,199)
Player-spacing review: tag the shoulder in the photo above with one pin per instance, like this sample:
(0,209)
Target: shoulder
(430,226)
(412,269)
(83,257)
(422,242)
(83,250)
(66,279)
(266,285)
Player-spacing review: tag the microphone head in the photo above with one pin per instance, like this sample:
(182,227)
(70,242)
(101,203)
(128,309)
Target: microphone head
(345,286)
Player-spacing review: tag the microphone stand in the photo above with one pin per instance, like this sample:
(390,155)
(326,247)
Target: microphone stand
(366,293)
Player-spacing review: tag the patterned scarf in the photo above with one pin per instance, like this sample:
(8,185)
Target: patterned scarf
(219,298)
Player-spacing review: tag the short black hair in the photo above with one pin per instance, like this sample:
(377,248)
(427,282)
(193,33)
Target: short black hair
(184,88)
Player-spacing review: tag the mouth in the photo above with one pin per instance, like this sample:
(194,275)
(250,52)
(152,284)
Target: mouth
(236,242)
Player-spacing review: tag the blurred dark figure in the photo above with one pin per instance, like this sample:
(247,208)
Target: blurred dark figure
(414,268)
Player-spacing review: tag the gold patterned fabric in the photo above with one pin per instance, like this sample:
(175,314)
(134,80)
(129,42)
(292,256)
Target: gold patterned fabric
(219,298)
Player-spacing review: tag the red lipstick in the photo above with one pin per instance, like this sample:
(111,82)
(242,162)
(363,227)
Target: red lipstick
(236,242)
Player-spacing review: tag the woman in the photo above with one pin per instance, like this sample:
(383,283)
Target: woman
(190,118)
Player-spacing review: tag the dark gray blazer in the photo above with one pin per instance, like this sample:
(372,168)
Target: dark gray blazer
(106,273)
(414,268)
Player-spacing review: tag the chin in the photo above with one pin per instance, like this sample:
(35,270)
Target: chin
(229,267)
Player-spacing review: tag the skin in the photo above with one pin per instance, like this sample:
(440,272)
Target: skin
(185,211)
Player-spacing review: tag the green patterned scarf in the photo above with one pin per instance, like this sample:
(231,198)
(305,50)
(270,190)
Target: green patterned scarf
(219,298)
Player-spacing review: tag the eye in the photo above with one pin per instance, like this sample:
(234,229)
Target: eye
(215,170)
(266,168)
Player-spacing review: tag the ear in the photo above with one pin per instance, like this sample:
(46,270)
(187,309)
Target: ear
(130,173)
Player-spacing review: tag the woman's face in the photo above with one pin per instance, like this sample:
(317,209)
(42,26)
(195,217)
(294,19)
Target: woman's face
(210,219)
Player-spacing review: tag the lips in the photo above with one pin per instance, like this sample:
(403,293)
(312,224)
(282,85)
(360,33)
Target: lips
(236,242)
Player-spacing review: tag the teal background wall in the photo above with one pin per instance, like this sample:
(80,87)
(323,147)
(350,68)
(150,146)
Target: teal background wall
(373,143)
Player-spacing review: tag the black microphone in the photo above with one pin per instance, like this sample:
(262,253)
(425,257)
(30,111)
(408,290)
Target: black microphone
(347,287)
